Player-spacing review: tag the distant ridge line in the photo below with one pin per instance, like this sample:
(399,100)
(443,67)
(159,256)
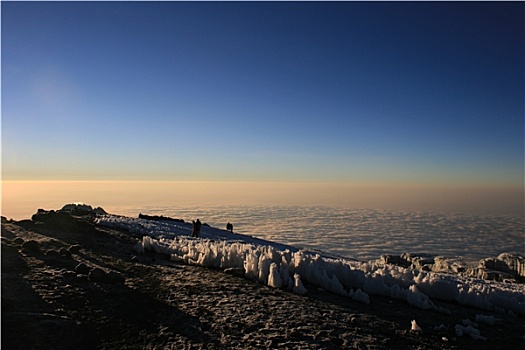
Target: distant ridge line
(158,218)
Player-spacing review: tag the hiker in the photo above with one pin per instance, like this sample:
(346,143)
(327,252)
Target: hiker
(229,227)
(196,228)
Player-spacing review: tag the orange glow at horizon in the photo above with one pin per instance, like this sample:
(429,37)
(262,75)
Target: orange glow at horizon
(21,199)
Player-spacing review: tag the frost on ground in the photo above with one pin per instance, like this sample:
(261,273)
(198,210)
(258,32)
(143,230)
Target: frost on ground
(286,267)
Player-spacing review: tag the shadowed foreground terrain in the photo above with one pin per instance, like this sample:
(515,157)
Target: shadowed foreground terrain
(68,283)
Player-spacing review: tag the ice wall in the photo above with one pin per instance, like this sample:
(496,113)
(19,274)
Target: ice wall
(279,267)
(355,280)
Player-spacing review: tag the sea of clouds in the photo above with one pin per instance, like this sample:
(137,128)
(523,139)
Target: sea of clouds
(362,234)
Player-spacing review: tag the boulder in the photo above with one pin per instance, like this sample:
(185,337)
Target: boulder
(31,247)
(506,263)
(52,256)
(97,275)
(56,220)
(418,261)
(489,274)
(392,260)
(65,252)
(82,269)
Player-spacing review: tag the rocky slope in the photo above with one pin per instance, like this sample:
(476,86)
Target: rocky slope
(64,285)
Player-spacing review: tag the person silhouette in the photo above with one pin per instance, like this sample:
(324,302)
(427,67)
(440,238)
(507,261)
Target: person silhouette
(229,227)
(196,230)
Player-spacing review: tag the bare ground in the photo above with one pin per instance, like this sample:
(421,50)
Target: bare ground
(148,302)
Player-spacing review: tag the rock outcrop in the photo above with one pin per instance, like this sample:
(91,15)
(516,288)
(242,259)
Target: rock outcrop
(70,217)
(504,268)
(158,218)
(56,219)
(82,209)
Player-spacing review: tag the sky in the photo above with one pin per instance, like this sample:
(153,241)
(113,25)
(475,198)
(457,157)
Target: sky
(378,94)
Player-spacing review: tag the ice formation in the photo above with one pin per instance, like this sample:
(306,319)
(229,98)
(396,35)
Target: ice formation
(415,327)
(298,287)
(274,280)
(282,266)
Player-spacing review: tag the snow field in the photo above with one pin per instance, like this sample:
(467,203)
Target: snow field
(285,267)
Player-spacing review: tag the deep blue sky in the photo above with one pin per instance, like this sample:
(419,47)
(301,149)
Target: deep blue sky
(346,92)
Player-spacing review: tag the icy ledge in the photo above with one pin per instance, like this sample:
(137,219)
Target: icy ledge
(286,267)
